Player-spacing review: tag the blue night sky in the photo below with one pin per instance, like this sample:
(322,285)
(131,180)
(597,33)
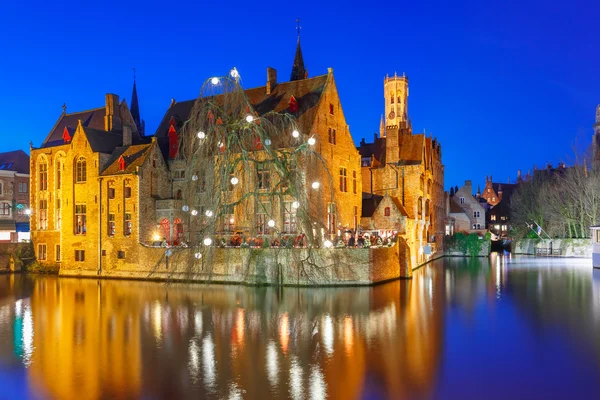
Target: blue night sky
(503,84)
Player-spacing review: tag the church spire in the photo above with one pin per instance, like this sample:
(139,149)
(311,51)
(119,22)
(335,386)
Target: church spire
(298,69)
(135,108)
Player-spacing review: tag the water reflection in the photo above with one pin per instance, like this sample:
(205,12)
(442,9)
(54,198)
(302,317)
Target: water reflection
(457,323)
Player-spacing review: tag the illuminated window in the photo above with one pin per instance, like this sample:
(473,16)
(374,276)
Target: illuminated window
(43,215)
(80,255)
(43,174)
(111,224)
(264,176)
(80,219)
(4,209)
(289,218)
(492,218)
(57,219)
(128,225)
(331,218)
(262,218)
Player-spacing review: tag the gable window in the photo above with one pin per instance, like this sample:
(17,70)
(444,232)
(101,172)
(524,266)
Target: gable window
(43,215)
(331,218)
(81,170)
(476,214)
(462,200)
(493,198)
(387,212)
(330,108)
(128,225)
(354,182)
(4,209)
(79,255)
(111,224)
(41,252)
(343,180)
(43,174)
(332,138)
(80,219)
(289,218)
(264,176)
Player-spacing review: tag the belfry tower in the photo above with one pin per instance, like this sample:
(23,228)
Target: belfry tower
(396,99)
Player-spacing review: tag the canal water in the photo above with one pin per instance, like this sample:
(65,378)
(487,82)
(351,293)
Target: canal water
(497,328)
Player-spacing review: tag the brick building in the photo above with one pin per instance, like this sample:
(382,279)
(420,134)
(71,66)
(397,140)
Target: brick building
(14,196)
(103,190)
(408,168)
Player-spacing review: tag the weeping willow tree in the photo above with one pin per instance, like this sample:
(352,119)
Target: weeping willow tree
(253,177)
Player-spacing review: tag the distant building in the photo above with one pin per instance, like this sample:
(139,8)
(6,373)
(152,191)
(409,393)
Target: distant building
(465,212)
(14,196)
(405,171)
(596,137)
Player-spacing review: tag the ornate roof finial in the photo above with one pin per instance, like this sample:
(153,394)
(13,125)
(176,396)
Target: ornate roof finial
(64,107)
(298,69)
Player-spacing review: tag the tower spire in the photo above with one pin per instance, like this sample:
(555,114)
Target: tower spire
(298,69)
(135,108)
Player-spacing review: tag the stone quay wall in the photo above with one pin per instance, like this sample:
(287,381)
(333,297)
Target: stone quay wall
(15,250)
(566,247)
(258,266)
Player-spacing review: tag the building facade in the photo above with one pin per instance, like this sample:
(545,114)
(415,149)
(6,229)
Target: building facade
(408,168)
(14,197)
(466,213)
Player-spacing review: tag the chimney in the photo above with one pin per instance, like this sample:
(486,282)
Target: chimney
(112,117)
(271,79)
(519,179)
(127,135)
(469,186)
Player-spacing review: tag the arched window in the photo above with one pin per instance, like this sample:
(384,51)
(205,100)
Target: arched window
(59,164)
(387,212)
(420,206)
(80,170)
(392,97)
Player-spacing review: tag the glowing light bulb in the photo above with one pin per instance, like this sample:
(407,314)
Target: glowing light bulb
(156,237)
(169,252)
(214,81)
(201,135)
(315,185)
(194,177)
(234,181)
(327,244)
(295,133)
(185,208)
(194,212)
(208,213)
(295,204)
(234,73)
(271,223)
(198,255)
(231,220)
(207,241)
(268,142)
(312,141)
(249,118)
(220,144)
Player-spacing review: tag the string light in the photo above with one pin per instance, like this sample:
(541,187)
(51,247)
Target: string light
(271,223)
(234,181)
(201,135)
(194,212)
(185,208)
(207,241)
(327,243)
(249,118)
(208,213)
(315,185)
(295,133)
(198,255)
(194,177)
(231,220)
(268,142)
(295,204)
(214,81)
(312,141)
(234,73)
(220,144)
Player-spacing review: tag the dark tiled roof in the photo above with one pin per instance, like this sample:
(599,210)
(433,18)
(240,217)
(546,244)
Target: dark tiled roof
(90,118)
(455,207)
(400,207)
(369,204)
(102,141)
(507,189)
(375,149)
(133,155)
(17,161)
(411,149)
(307,93)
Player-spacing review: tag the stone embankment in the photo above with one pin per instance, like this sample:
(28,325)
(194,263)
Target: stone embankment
(556,247)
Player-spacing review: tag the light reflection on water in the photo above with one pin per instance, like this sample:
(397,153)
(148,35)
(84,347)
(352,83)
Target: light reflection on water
(456,327)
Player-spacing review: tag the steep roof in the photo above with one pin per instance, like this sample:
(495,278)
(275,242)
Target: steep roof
(91,118)
(399,205)
(507,189)
(133,155)
(307,93)
(298,69)
(369,204)
(102,141)
(411,149)
(17,161)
